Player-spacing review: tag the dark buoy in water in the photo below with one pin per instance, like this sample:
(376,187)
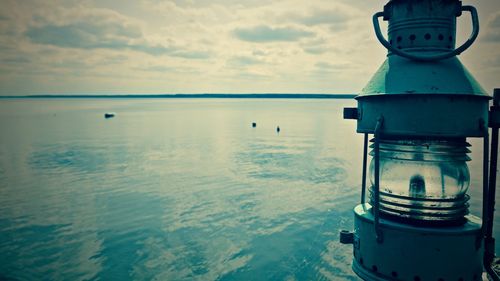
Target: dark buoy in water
(254,124)
(278,129)
(109,115)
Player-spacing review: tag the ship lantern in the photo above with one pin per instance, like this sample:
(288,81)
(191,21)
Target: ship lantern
(420,107)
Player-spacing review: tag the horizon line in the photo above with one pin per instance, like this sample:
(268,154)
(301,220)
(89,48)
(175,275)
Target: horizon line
(204,95)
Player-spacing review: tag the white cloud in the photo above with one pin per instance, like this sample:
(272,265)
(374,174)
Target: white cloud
(263,33)
(197,45)
(335,17)
(101,29)
(244,60)
(492,30)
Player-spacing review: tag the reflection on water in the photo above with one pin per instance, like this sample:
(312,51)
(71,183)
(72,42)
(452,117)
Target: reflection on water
(176,189)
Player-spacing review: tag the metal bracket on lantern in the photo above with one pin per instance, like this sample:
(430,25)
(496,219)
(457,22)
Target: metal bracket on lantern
(376,185)
(352,113)
(486,146)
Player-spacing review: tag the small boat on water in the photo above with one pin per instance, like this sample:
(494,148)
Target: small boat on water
(109,115)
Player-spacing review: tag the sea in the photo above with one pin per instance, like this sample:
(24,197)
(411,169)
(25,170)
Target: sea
(181,189)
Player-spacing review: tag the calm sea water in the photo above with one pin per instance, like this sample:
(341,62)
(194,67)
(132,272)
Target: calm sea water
(179,189)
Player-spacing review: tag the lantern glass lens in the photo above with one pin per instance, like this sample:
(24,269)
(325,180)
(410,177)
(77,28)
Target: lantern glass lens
(423,180)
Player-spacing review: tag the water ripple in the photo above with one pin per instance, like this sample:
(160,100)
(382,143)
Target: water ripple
(161,193)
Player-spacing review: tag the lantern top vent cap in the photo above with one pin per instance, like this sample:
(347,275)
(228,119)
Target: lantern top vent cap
(402,76)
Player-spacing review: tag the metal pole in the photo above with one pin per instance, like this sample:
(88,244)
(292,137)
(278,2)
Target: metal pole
(492,183)
(376,187)
(485,214)
(365,156)
(489,241)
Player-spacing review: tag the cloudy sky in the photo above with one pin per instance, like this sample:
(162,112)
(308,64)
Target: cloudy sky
(207,46)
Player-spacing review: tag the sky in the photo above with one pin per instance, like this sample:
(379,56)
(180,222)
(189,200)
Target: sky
(207,46)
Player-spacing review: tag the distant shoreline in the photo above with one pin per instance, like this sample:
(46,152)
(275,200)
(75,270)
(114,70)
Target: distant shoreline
(177,96)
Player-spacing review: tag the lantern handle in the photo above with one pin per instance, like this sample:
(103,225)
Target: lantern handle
(457,51)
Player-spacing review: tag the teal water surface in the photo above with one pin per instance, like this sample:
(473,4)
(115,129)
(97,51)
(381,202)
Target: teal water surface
(178,189)
(174,189)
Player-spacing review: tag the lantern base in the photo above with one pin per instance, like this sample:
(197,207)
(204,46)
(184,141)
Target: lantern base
(416,253)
